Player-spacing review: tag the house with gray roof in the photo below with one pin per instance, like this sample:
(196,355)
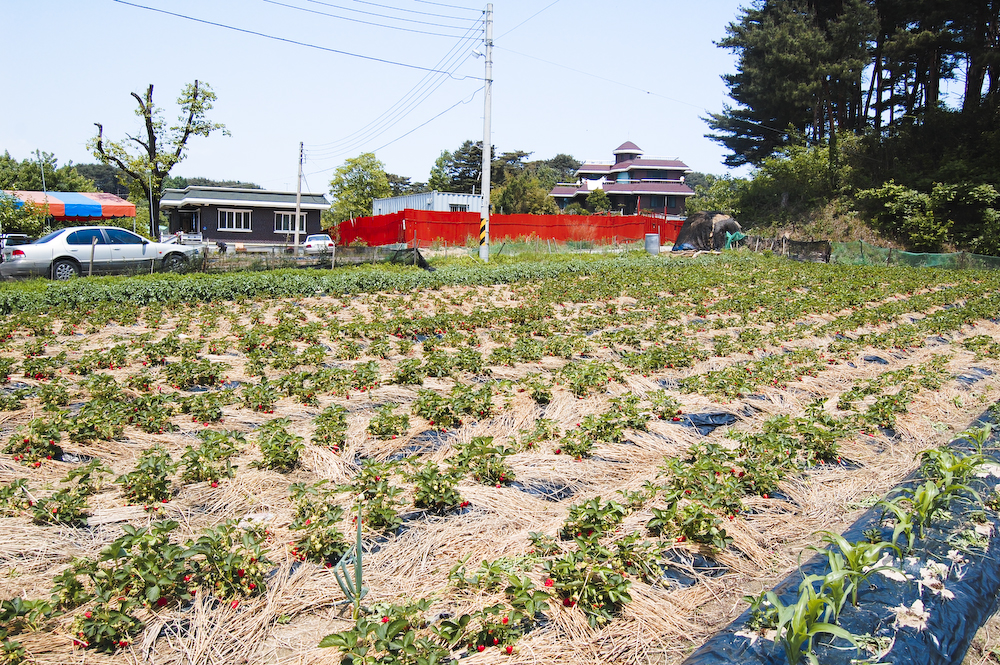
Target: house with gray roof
(234,215)
(633,182)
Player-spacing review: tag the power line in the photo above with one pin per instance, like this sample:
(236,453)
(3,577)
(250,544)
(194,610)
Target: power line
(379,25)
(386,121)
(374,4)
(528,19)
(423,124)
(440,4)
(412,99)
(288,41)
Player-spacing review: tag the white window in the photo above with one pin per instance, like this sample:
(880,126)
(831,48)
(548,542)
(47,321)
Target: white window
(283,222)
(235,220)
(457,207)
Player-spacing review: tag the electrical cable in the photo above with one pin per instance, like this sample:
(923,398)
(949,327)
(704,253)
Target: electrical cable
(285,39)
(423,124)
(527,19)
(372,4)
(441,4)
(357,20)
(393,120)
(411,100)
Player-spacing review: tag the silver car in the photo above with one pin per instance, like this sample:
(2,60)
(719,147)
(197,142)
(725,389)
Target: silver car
(319,243)
(82,250)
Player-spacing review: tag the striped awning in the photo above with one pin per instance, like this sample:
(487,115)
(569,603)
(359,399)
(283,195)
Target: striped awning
(76,205)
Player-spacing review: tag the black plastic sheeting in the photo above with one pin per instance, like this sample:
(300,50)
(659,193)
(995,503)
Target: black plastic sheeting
(705,423)
(950,625)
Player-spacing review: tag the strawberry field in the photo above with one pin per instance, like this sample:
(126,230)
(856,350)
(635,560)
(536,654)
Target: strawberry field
(581,461)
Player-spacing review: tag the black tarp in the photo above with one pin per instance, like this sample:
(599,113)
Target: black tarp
(951,623)
(705,230)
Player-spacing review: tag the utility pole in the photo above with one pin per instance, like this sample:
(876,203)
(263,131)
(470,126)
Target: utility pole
(298,201)
(484,218)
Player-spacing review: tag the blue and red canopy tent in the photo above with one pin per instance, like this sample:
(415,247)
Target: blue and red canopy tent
(76,206)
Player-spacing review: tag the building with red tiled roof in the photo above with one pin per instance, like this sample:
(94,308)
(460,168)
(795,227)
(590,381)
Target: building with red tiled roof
(634,183)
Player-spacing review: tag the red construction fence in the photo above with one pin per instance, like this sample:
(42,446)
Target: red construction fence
(455,228)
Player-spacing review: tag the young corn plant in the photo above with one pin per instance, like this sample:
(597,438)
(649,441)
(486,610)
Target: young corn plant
(860,559)
(800,622)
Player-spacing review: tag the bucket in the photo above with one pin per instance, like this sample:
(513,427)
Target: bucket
(653,243)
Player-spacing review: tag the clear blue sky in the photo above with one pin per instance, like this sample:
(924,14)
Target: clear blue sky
(571,76)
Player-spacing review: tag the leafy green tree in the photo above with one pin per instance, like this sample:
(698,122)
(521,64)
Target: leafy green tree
(439,180)
(598,201)
(355,184)
(402,186)
(106,178)
(523,194)
(147,158)
(27,175)
(721,193)
(27,218)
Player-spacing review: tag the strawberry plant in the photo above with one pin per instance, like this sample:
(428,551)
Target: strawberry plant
(149,482)
(536,386)
(65,506)
(207,407)
(14,497)
(386,424)
(379,496)
(435,490)
(151,413)
(142,564)
(545,429)
(89,477)
(468,359)
(279,448)
(36,441)
(486,462)
(390,634)
(665,405)
(187,373)
(593,586)
(210,461)
(43,367)
(592,519)
(229,561)
(261,397)
(583,377)
(110,625)
(409,372)
(436,409)
(100,419)
(476,402)
(437,363)
(331,427)
(53,395)
(318,520)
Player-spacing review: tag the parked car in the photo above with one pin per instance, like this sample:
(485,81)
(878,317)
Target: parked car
(11,239)
(319,243)
(76,250)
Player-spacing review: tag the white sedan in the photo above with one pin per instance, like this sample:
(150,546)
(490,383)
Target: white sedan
(318,244)
(104,250)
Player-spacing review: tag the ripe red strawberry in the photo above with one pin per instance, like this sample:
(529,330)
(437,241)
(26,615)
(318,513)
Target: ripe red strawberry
(509,649)
(481,647)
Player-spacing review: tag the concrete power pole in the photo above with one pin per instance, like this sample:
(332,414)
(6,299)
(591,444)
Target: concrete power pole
(298,202)
(484,219)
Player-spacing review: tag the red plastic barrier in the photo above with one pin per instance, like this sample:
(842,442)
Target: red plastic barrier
(455,228)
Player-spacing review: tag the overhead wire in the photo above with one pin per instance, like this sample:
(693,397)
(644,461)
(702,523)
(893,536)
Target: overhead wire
(400,9)
(441,4)
(387,121)
(372,23)
(284,39)
(421,125)
(410,101)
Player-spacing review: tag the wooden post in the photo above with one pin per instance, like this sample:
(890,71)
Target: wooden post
(93,247)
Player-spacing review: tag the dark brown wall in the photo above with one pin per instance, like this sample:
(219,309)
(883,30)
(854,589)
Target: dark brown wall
(262,225)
